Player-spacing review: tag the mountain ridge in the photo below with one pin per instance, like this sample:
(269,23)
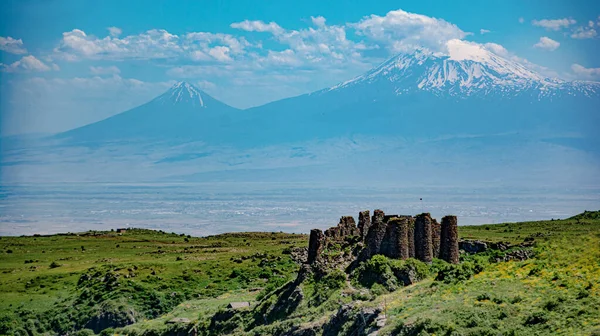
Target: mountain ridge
(463,92)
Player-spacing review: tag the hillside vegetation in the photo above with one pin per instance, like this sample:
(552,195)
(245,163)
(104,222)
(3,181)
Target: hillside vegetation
(138,281)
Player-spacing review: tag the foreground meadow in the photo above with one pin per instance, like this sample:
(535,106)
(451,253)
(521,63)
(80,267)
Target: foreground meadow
(143,282)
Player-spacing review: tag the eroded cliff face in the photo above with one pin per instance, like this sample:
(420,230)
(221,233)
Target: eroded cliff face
(401,237)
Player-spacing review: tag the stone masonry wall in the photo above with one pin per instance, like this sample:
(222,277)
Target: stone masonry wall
(449,239)
(423,242)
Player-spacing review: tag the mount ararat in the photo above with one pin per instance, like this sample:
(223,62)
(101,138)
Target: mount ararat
(469,91)
(468,115)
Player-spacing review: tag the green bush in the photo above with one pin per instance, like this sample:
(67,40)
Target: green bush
(376,270)
(334,280)
(539,317)
(458,272)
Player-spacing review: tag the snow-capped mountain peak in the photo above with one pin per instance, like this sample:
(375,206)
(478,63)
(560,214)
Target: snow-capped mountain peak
(466,69)
(183,92)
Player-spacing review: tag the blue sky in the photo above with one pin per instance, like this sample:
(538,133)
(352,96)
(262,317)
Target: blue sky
(68,63)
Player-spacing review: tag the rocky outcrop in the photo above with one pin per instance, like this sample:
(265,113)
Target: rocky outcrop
(423,241)
(449,239)
(472,246)
(364,223)
(351,318)
(315,245)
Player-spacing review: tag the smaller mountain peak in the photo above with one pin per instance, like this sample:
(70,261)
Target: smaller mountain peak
(184,92)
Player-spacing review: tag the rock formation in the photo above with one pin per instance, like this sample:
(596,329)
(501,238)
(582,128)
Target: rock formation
(315,245)
(449,239)
(423,241)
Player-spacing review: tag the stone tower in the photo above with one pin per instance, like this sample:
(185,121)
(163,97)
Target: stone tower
(364,223)
(376,234)
(315,245)
(449,239)
(423,242)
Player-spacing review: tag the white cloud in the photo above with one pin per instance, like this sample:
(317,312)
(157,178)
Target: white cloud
(584,32)
(401,31)
(114,31)
(220,53)
(521,20)
(484,31)
(556,24)
(110,70)
(547,43)
(28,64)
(585,73)
(318,21)
(258,26)
(321,46)
(284,58)
(12,45)
(153,44)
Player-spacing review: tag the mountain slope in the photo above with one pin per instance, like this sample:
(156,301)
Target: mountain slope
(425,94)
(183,112)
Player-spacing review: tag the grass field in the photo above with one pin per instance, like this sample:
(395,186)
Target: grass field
(62,283)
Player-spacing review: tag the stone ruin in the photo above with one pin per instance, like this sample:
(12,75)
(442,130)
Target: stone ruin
(394,236)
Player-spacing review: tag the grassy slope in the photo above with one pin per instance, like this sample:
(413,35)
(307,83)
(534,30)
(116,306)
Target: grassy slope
(558,292)
(200,268)
(561,285)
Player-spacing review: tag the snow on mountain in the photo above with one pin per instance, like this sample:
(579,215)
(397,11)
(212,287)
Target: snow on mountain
(182,92)
(467,69)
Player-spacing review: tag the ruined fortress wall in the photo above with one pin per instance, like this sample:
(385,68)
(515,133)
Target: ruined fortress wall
(364,223)
(449,239)
(410,236)
(316,243)
(396,240)
(423,241)
(389,247)
(376,233)
(402,242)
(436,231)
(345,228)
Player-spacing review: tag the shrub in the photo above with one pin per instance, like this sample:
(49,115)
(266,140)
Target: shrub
(54,264)
(376,270)
(409,271)
(536,318)
(334,280)
(459,272)
(483,297)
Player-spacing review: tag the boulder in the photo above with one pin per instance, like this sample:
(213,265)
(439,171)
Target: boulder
(473,246)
